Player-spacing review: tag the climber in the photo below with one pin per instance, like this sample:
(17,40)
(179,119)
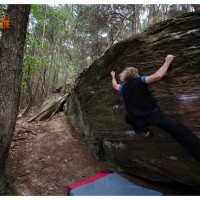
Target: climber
(142,111)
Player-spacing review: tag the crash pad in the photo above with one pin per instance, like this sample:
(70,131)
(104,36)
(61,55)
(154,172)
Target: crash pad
(109,184)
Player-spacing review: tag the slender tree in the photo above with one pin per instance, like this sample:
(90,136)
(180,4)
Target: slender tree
(164,12)
(135,20)
(189,9)
(151,14)
(11,57)
(196,7)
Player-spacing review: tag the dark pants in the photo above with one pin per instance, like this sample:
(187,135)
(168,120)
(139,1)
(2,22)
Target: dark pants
(179,131)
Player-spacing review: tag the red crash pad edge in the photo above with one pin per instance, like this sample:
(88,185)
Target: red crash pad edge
(88,180)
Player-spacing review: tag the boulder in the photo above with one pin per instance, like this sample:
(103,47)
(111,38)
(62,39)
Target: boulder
(96,110)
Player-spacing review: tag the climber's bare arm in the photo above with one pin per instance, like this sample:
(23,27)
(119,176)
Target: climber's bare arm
(161,72)
(114,82)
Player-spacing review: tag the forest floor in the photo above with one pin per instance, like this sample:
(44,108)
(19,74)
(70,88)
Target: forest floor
(46,156)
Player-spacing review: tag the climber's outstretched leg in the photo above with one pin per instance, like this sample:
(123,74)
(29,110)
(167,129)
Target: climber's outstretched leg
(179,131)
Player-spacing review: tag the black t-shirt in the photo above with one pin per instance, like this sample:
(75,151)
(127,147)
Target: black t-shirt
(137,98)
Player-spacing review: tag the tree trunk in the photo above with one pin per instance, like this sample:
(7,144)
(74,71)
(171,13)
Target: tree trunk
(151,15)
(164,11)
(189,8)
(135,21)
(94,29)
(196,7)
(43,73)
(11,58)
(31,97)
(55,74)
(136,25)
(44,26)
(64,84)
(110,38)
(183,8)
(95,43)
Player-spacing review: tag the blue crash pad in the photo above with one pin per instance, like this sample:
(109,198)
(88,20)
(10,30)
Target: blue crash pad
(109,184)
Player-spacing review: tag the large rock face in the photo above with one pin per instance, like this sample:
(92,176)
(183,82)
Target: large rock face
(97,111)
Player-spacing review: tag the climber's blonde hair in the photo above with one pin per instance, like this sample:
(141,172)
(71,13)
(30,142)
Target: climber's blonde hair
(128,74)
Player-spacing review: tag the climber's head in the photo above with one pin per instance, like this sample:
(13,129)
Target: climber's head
(128,74)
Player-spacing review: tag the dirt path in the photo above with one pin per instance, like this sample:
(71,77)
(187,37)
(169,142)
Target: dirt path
(45,157)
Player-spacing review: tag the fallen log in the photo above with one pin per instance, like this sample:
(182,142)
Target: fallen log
(52,107)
